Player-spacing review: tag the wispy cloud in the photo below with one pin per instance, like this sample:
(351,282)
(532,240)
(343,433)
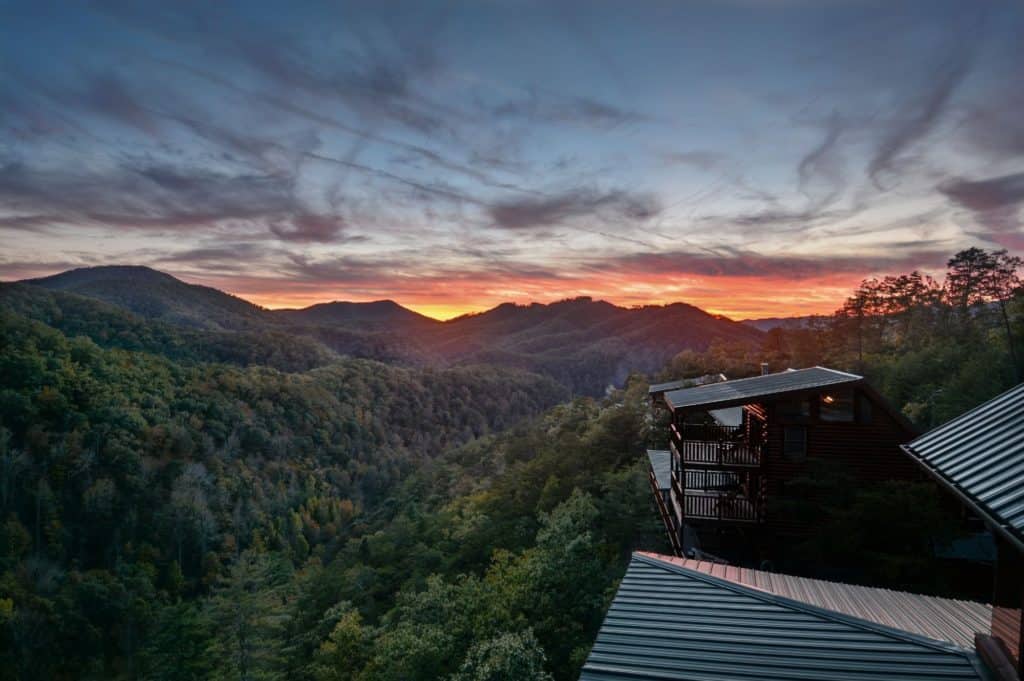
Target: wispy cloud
(530,213)
(919,113)
(143,196)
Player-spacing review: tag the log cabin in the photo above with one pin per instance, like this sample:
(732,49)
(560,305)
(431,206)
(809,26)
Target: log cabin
(735,445)
(979,458)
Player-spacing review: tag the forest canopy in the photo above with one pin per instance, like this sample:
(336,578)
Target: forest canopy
(184,504)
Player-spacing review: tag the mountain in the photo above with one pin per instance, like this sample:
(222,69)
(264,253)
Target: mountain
(582,343)
(379,314)
(158,296)
(788,323)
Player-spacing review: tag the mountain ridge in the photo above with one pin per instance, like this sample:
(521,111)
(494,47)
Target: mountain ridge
(583,343)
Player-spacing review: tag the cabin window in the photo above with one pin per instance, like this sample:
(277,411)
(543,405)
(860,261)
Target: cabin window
(794,410)
(836,407)
(794,442)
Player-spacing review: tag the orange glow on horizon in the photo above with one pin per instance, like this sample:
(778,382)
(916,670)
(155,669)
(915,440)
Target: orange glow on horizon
(734,297)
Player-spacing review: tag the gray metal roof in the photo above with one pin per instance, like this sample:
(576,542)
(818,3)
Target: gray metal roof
(668,622)
(685,383)
(661,464)
(746,389)
(980,455)
(944,619)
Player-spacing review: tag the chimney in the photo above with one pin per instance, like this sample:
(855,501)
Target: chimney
(764,368)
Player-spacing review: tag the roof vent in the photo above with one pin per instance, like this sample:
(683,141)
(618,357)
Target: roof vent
(764,368)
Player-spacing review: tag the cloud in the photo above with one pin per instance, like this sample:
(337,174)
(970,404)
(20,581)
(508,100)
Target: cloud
(137,195)
(996,203)
(529,213)
(701,159)
(308,228)
(583,111)
(377,79)
(822,166)
(733,263)
(920,114)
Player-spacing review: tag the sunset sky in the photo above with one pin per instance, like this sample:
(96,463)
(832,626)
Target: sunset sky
(754,158)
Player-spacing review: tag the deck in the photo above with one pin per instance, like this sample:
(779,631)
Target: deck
(724,451)
(720,506)
(725,505)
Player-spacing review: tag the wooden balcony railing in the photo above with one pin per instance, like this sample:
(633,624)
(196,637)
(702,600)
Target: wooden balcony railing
(712,480)
(700,494)
(716,446)
(720,507)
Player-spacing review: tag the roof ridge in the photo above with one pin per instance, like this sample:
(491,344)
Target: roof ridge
(774,373)
(814,610)
(835,371)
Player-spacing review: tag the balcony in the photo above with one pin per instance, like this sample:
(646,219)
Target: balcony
(714,445)
(720,507)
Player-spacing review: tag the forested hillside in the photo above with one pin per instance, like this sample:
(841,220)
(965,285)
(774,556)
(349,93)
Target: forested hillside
(129,481)
(110,326)
(172,508)
(586,345)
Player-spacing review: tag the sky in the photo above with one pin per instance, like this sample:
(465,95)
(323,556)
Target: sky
(752,157)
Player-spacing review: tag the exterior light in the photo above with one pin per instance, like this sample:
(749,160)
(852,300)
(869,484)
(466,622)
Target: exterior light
(828,399)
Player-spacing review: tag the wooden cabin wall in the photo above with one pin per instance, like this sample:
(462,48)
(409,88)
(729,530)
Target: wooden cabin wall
(869,452)
(1008,599)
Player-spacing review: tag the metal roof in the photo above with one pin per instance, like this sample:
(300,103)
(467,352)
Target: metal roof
(980,455)
(685,383)
(741,390)
(670,622)
(661,464)
(944,619)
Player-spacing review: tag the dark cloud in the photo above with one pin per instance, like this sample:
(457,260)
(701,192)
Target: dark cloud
(108,95)
(996,203)
(539,106)
(994,193)
(544,212)
(728,262)
(141,196)
(996,128)
(308,228)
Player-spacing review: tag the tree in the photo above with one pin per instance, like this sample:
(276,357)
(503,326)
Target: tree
(344,653)
(506,657)
(177,650)
(1002,285)
(976,278)
(249,611)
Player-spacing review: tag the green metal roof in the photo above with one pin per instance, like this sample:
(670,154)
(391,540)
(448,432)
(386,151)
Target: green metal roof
(743,390)
(980,456)
(669,622)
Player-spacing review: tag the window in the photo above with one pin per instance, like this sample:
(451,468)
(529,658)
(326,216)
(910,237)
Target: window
(794,442)
(795,410)
(836,407)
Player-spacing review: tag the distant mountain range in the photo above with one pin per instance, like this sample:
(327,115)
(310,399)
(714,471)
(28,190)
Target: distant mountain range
(584,344)
(788,323)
